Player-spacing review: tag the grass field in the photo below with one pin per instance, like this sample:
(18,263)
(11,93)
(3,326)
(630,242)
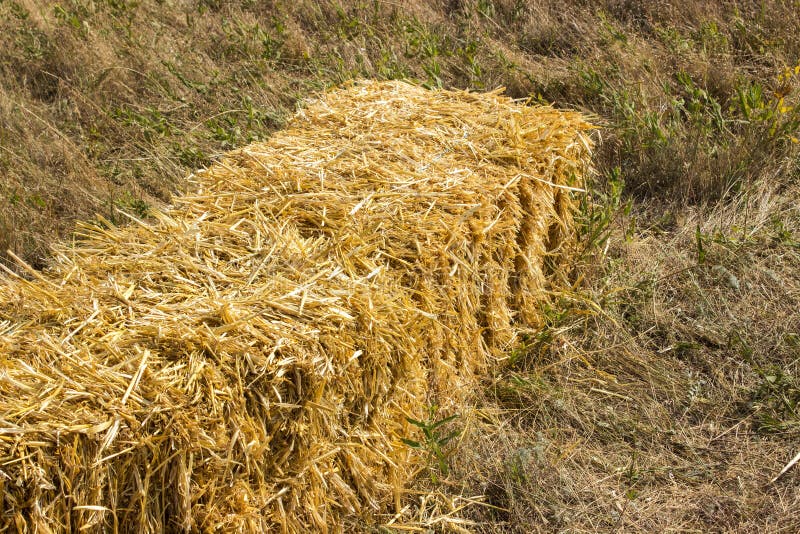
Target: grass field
(664,392)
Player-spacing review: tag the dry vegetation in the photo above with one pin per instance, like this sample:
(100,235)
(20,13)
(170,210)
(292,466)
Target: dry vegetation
(253,358)
(663,391)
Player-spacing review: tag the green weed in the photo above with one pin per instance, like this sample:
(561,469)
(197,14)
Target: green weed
(151,122)
(434,440)
(133,205)
(486,8)
(599,209)
(75,16)
(776,400)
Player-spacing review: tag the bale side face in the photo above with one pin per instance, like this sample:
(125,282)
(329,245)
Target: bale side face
(247,360)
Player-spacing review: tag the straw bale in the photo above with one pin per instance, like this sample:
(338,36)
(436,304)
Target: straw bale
(246,359)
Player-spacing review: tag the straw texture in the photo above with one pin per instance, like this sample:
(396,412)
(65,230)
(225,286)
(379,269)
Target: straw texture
(246,360)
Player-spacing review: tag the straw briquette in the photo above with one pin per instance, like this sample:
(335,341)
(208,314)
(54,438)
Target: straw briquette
(247,359)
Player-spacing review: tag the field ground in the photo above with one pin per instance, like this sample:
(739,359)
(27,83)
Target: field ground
(664,393)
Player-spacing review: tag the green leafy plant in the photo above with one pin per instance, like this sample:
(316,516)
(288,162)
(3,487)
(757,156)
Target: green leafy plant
(434,439)
(777,400)
(598,211)
(131,205)
(701,250)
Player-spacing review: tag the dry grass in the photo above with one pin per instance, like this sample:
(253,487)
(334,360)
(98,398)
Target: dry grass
(650,357)
(664,399)
(115,102)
